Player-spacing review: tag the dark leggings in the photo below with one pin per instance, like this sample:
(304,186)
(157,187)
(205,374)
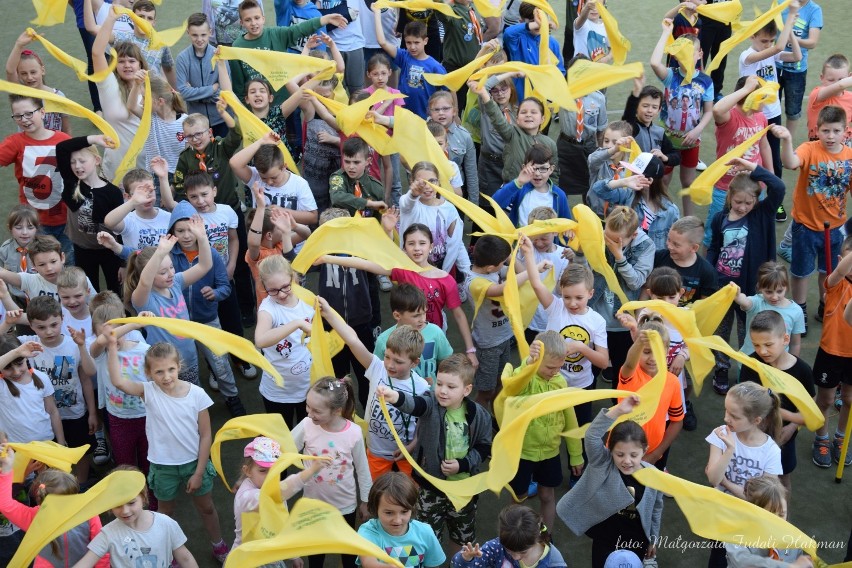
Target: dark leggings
(293,412)
(347,560)
(712,36)
(88,39)
(93,261)
(718,556)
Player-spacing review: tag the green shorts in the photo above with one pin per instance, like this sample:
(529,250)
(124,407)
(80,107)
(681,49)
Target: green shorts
(167,481)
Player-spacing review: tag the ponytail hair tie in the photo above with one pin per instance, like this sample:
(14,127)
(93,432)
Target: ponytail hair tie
(41,487)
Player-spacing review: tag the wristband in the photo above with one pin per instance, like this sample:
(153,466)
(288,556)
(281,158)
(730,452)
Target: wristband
(471,350)
(256,232)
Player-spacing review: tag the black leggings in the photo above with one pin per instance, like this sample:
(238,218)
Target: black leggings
(712,36)
(93,261)
(88,39)
(293,412)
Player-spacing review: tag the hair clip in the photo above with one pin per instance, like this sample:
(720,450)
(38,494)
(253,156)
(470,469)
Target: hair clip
(768,390)
(41,487)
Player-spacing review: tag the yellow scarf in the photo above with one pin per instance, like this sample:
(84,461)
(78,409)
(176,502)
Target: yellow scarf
(80,67)
(512,305)
(278,67)
(766,94)
(347,118)
(488,10)
(545,7)
(416,6)
(590,239)
(744,33)
(156,40)
(725,12)
(683,50)
(332,338)
(50,454)
(619,44)
(586,76)
(546,79)
(498,223)
(318,345)
(632,153)
(128,161)
(513,383)
(545,56)
(455,80)
(49,12)
(413,142)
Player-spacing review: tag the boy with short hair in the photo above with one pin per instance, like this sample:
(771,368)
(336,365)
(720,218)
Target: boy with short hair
(197,77)
(533,188)
(770,339)
(139,221)
(792,76)
(681,254)
(396,371)
(47,258)
(159,60)
(684,130)
(352,188)
(454,440)
(641,111)
(605,162)
(522,40)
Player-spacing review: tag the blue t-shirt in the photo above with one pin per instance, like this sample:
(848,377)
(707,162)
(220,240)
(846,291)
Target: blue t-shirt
(809,17)
(174,308)
(412,84)
(683,105)
(418,547)
(794,318)
(288,13)
(436,348)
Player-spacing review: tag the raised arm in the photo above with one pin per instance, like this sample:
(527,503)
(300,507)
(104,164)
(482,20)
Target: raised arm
(389,48)
(114,368)
(239,162)
(353,262)
(102,39)
(205,257)
(723,107)
(659,66)
(15,57)
(347,334)
(789,158)
(544,295)
(146,278)
(266,336)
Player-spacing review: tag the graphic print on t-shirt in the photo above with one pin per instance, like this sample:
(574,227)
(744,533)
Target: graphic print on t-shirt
(577,333)
(828,182)
(415,76)
(407,555)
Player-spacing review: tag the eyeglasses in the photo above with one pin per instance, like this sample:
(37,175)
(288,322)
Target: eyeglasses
(442,109)
(542,169)
(195,136)
(499,89)
(25,116)
(275,291)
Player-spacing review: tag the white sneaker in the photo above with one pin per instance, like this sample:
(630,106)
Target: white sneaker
(385,283)
(701,166)
(214,384)
(248,370)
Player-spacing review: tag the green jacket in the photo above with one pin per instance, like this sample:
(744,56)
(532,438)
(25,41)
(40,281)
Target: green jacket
(217,155)
(342,191)
(517,142)
(460,42)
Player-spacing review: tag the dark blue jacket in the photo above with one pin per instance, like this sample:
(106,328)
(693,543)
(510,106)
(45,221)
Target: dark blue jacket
(510,195)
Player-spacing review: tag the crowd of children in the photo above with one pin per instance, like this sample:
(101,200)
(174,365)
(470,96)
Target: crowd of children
(203,226)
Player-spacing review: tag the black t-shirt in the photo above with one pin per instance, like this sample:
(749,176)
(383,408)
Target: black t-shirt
(699,280)
(800,370)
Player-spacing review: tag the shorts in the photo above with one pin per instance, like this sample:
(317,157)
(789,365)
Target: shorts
(788,455)
(809,247)
(831,370)
(77,433)
(167,481)
(491,363)
(793,86)
(380,466)
(688,159)
(547,473)
(436,510)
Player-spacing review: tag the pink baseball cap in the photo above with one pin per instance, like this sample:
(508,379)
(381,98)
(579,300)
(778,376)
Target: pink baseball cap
(264,451)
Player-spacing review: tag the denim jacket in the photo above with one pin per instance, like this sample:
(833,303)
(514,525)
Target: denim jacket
(658,231)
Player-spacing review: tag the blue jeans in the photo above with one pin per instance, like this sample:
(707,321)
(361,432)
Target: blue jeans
(793,86)
(716,206)
(809,247)
(58,231)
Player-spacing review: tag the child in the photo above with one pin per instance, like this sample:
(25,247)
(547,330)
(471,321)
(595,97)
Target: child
(532,188)
(352,188)
(439,132)
(283,320)
(24,66)
(138,220)
(522,42)
(540,468)
(36,143)
(140,536)
(160,61)
(413,62)
(831,365)
(641,111)
(638,369)
(604,164)
(524,540)
(462,38)
(66,549)
(197,77)
(442,110)
(454,439)
(165,138)
(402,355)
(806,29)
(608,504)
(772,284)
(328,430)
(292,12)
(819,197)
(178,430)
(89,197)
(742,239)
(768,333)
(685,20)
(23,225)
(696,108)
(645,193)
(321,155)
(47,260)
(26,392)
(681,254)
(590,37)
(733,127)
(392,502)
(224,19)
(834,80)
(152,285)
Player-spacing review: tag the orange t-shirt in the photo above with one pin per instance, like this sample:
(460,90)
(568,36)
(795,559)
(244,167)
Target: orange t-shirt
(259,290)
(835,331)
(843,100)
(671,404)
(824,180)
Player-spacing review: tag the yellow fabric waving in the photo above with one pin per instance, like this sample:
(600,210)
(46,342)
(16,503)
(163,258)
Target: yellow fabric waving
(549,109)
(58,103)
(772,378)
(514,383)
(743,34)
(725,12)
(269,425)
(80,67)
(217,340)
(683,50)
(545,7)
(278,67)
(710,311)
(318,345)
(543,226)
(619,44)
(373,134)
(632,153)
(416,6)
(766,94)
(701,190)
(546,79)
(312,527)
(272,513)
(489,223)
(128,161)
(719,516)
(590,238)
(49,12)
(414,143)
(512,306)
(49,453)
(455,80)
(545,56)
(586,76)
(351,116)
(335,343)
(156,39)
(253,129)
(362,237)
(488,10)
(60,513)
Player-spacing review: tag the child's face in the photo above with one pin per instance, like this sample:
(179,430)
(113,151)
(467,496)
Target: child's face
(415,45)
(74,300)
(399,365)
(647,362)
(829,75)
(356,165)
(441,139)
(393,517)
(202,198)
(127,67)
(550,367)
(274,176)
(199,36)
(253,21)
(49,330)
(576,298)
(149,16)
(130,512)
(594,15)
(379,76)
(680,247)
(197,135)
(23,232)
(627,456)
(417,246)
(609,138)
(186,239)
(442,111)
(450,390)
(83,163)
(31,73)
(430,176)
(775,295)
(164,372)
(742,202)
(624,236)
(416,319)
(544,242)
(165,276)
(831,135)
(735,419)
(530,116)
(16,370)
(318,409)
(541,174)
(48,264)
(280,288)
(28,116)
(258,96)
(255,473)
(145,188)
(647,110)
(761,41)
(501,93)
(674,299)
(769,346)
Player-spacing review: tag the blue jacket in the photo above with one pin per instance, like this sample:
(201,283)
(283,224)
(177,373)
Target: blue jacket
(509,197)
(494,555)
(658,231)
(195,78)
(521,45)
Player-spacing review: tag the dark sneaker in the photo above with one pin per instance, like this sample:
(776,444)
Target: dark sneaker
(805,315)
(786,254)
(720,384)
(820,311)
(836,448)
(235,406)
(102,454)
(780,214)
(822,453)
(690,420)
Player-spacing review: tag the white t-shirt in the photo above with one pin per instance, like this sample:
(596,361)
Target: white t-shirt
(457,180)
(61,365)
(132,363)
(295,194)
(84,324)
(539,321)
(447,250)
(290,356)
(380,441)
(590,328)
(749,461)
(130,548)
(591,40)
(36,285)
(766,70)
(218,223)
(172,424)
(529,202)
(125,123)
(30,403)
(139,233)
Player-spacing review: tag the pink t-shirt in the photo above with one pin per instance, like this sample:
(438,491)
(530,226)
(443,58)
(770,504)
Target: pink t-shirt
(439,292)
(394,103)
(731,134)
